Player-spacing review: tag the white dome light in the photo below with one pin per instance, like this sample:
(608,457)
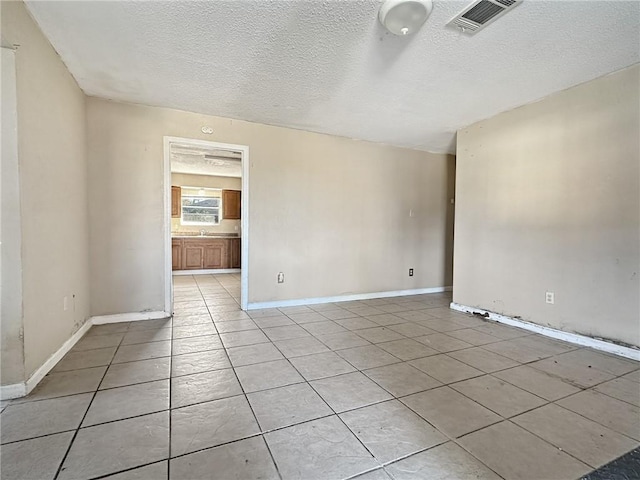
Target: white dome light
(404,17)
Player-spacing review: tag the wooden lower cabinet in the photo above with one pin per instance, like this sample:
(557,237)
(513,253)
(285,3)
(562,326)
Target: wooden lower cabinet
(234,253)
(193,256)
(215,254)
(176,254)
(205,253)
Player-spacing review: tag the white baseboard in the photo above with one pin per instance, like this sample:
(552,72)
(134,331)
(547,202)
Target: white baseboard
(344,298)
(17,390)
(21,389)
(206,271)
(576,338)
(129,317)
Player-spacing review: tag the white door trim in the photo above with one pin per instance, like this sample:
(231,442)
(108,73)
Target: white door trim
(244,255)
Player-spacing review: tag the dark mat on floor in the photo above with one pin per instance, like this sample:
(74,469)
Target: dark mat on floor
(626,467)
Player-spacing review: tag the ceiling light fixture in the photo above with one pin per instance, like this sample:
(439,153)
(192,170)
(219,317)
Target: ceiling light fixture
(404,17)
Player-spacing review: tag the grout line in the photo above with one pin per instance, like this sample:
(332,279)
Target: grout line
(246,399)
(77,430)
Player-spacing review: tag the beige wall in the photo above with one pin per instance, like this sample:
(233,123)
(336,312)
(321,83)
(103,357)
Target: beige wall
(11,348)
(53,187)
(206,181)
(548,199)
(329,212)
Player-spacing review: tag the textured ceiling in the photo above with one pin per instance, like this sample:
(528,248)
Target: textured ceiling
(329,66)
(198,160)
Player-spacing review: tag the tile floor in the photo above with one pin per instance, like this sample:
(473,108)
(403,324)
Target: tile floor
(400,388)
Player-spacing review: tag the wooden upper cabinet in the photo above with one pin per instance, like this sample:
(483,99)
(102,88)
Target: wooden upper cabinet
(176,200)
(231,202)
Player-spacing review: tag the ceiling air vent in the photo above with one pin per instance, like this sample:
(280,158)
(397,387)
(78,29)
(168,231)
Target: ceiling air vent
(481,13)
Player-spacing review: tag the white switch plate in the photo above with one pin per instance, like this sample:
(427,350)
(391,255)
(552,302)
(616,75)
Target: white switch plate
(550,297)
(65,303)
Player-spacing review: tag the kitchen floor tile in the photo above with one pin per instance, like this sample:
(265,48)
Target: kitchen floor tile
(236,326)
(285,406)
(116,446)
(537,382)
(239,339)
(349,391)
(386,319)
(498,395)
(33,419)
(483,359)
(307,317)
(108,329)
(297,347)
(442,343)
(445,368)
(190,363)
(210,424)
(285,332)
(250,354)
(338,314)
(247,459)
(146,336)
(136,372)
(411,329)
(203,387)
(514,453)
(267,375)
(390,430)
(450,412)
(194,330)
(474,337)
(444,462)
(578,375)
(320,328)
(318,450)
(407,349)
(266,322)
(90,342)
(339,341)
(588,441)
(369,356)
(615,414)
(145,324)
(379,334)
(155,471)
(58,384)
(142,351)
(321,365)
(129,401)
(401,379)
(622,389)
(196,344)
(356,323)
(34,459)
(85,359)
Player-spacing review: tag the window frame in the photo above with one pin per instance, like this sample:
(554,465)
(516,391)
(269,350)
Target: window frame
(201,224)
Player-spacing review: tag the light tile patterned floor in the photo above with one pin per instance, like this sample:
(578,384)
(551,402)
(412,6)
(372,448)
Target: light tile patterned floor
(400,388)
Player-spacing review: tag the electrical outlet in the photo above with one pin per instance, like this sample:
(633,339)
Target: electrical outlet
(280,277)
(411,272)
(550,297)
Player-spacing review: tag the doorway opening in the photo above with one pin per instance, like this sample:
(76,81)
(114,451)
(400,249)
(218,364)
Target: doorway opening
(206,214)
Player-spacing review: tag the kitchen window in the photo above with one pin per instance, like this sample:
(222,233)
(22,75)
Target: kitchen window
(200,206)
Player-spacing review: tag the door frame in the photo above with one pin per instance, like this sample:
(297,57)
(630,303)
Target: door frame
(244,213)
